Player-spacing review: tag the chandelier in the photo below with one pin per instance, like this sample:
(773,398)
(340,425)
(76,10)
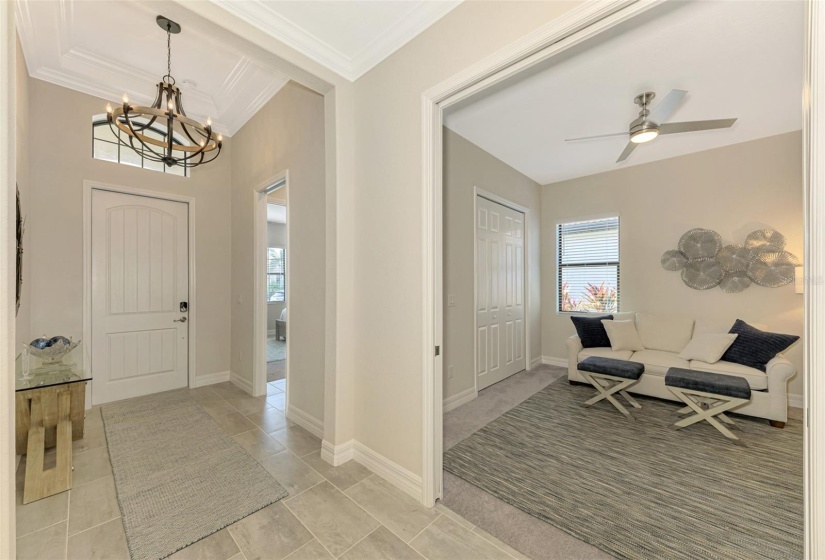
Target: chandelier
(157,132)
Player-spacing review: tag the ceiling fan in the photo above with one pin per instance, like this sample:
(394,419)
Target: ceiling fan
(650,124)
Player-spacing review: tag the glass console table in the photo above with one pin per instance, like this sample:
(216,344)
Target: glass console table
(50,410)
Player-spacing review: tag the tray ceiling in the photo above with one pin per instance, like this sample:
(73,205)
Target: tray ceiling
(736,59)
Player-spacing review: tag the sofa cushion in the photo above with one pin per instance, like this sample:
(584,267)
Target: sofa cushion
(758,380)
(591,331)
(609,366)
(756,348)
(623,335)
(707,347)
(605,353)
(708,382)
(657,362)
(664,332)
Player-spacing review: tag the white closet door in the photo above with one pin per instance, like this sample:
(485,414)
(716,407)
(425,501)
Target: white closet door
(140,276)
(500,289)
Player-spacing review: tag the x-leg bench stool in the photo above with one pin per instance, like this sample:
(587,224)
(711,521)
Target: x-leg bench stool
(709,395)
(609,377)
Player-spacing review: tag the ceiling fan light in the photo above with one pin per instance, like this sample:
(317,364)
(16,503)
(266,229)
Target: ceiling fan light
(644,135)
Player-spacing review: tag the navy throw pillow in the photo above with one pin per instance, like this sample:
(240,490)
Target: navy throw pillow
(591,331)
(755,348)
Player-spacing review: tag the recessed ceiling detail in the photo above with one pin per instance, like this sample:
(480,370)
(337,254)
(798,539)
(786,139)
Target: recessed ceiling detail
(347,36)
(120,49)
(735,59)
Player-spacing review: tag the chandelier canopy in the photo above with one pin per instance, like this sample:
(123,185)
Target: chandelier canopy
(138,126)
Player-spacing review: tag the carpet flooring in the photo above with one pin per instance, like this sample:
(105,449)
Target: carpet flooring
(275,370)
(638,490)
(275,349)
(178,476)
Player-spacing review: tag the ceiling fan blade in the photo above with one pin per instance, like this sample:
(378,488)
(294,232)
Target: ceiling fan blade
(627,150)
(662,111)
(595,137)
(695,126)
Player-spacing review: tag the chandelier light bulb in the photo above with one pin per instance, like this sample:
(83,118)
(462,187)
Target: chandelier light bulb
(125,98)
(208,121)
(171,105)
(220,137)
(109,108)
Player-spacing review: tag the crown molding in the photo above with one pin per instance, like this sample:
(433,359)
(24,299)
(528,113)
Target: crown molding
(265,18)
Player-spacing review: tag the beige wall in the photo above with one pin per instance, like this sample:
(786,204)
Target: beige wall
(388,236)
(59,165)
(275,237)
(467,166)
(23,321)
(733,190)
(287,134)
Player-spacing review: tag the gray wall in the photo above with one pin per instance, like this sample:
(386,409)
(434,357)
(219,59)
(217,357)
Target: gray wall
(733,190)
(467,166)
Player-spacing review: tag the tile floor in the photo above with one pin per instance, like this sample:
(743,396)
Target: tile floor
(332,512)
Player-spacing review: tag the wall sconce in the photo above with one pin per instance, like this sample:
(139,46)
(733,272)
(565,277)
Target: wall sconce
(799,279)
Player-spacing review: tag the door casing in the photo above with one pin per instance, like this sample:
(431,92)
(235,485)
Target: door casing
(88,187)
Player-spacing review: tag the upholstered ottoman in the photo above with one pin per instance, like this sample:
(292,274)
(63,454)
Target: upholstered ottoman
(611,376)
(709,395)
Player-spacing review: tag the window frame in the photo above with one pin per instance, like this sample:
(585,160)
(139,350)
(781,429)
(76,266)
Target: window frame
(102,121)
(268,274)
(617,263)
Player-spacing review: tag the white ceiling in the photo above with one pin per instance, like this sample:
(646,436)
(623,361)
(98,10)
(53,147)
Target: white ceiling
(347,36)
(107,49)
(276,213)
(736,59)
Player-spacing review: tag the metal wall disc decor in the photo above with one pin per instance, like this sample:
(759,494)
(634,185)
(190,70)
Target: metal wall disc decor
(700,243)
(773,270)
(734,258)
(702,274)
(765,241)
(674,260)
(735,282)
(705,263)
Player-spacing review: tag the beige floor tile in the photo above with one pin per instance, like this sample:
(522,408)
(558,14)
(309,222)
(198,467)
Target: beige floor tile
(217,546)
(280,384)
(238,556)
(92,504)
(270,420)
(104,542)
(234,423)
(48,543)
(441,508)
(200,394)
(313,550)
(502,545)
(278,400)
(93,418)
(342,476)
(272,389)
(293,474)
(271,533)
(297,440)
(42,513)
(91,465)
(334,519)
(216,407)
(248,405)
(93,438)
(403,515)
(447,540)
(228,390)
(380,545)
(258,444)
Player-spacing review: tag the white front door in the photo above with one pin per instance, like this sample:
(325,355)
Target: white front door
(500,290)
(140,277)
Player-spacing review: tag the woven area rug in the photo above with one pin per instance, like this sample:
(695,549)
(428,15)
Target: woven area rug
(641,490)
(179,477)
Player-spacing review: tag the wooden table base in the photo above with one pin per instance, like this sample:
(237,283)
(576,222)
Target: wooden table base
(41,482)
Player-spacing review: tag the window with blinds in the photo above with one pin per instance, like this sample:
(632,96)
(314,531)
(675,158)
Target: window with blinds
(589,266)
(275,274)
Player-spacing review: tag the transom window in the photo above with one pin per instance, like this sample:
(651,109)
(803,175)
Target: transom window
(275,274)
(588,266)
(105,146)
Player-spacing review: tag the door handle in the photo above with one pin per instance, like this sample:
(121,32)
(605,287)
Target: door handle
(181,320)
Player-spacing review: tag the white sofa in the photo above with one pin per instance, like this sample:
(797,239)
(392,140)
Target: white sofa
(664,337)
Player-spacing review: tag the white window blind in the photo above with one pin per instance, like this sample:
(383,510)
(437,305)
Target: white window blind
(275,274)
(589,266)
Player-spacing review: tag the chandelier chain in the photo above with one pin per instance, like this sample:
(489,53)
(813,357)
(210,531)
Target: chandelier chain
(169,50)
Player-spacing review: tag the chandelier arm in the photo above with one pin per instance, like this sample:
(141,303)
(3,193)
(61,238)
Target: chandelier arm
(145,139)
(139,137)
(186,132)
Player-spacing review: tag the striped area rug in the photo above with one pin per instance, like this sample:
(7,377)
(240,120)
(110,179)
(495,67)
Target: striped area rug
(641,490)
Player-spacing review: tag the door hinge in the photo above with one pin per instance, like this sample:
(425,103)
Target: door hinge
(438,350)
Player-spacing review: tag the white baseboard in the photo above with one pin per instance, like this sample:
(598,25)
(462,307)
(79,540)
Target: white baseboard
(392,472)
(305,420)
(535,362)
(337,454)
(211,378)
(451,403)
(551,361)
(241,382)
(796,401)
